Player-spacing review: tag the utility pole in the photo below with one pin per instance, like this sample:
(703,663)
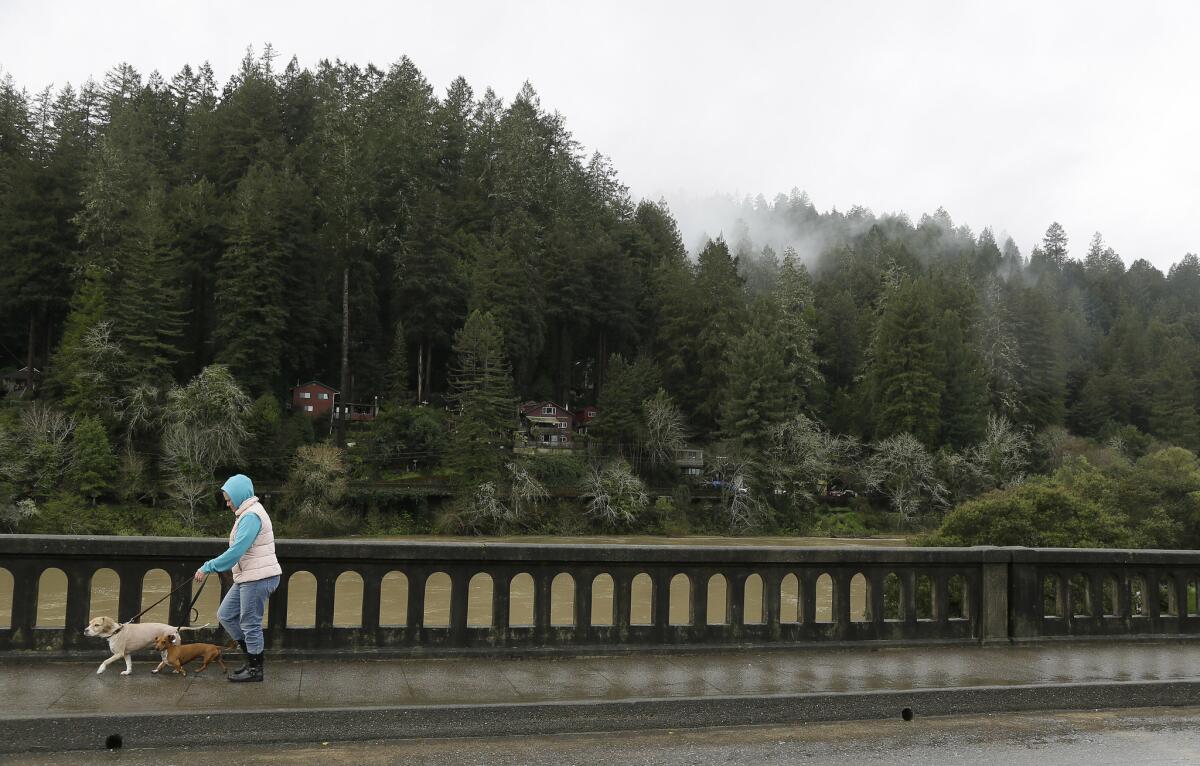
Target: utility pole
(345,413)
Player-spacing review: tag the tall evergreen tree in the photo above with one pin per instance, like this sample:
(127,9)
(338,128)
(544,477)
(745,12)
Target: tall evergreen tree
(905,368)
(483,393)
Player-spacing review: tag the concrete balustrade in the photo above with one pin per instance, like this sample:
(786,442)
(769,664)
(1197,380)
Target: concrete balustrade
(431,597)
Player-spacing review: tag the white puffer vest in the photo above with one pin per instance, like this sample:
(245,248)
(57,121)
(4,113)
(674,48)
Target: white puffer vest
(258,562)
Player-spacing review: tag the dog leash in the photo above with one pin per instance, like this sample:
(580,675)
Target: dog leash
(191,607)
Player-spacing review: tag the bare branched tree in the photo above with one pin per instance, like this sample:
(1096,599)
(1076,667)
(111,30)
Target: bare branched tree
(205,428)
(1002,363)
(141,411)
(615,494)
(484,510)
(317,485)
(665,431)
(802,455)
(14,512)
(1003,456)
(903,470)
(525,492)
(42,447)
(742,505)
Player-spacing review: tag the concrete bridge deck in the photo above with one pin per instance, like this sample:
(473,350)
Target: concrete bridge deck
(64,704)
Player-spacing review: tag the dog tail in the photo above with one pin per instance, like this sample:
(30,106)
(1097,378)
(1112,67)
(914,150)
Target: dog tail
(195,627)
(230,645)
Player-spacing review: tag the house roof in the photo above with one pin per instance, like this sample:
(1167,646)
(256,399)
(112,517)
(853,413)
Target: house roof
(316,383)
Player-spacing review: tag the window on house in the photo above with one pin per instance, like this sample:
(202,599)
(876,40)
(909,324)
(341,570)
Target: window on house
(322,396)
(306,395)
(547,410)
(562,424)
(308,408)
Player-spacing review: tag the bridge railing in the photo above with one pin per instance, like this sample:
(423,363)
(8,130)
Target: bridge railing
(410,597)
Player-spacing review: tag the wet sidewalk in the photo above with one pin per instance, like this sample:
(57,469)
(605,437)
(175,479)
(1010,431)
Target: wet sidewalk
(46,689)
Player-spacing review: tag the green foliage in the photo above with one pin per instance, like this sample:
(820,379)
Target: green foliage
(315,493)
(483,391)
(152,226)
(93,465)
(905,370)
(407,436)
(621,424)
(1037,514)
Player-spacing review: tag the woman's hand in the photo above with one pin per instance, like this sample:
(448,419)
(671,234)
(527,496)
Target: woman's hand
(200,575)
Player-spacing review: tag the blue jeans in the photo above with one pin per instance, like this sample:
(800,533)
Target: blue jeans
(241,611)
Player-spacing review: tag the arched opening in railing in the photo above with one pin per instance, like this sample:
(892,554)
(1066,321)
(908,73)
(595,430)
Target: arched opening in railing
(602,600)
(480,593)
(437,601)
(680,610)
(348,600)
(52,599)
(155,585)
(718,600)
(7,586)
(520,601)
(789,599)
(1111,596)
(860,598)
(208,603)
(301,600)
(641,600)
(893,603)
(562,600)
(924,597)
(1081,596)
(1193,608)
(958,598)
(1168,602)
(1138,606)
(393,599)
(824,598)
(1052,597)
(753,612)
(105,595)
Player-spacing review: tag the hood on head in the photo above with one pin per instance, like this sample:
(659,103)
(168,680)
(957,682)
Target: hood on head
(239,488)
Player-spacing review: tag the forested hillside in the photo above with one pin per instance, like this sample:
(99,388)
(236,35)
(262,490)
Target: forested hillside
(177,253)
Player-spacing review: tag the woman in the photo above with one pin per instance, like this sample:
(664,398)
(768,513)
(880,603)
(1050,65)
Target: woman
(256,572)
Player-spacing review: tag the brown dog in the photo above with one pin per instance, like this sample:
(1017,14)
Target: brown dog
(177,655)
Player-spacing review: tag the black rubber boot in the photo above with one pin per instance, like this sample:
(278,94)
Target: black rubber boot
(245,658)
(254,669)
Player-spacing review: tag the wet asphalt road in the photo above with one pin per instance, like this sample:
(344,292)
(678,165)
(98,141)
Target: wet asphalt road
(1142,737)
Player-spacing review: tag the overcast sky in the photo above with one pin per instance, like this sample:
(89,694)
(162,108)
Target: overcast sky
(1008,114)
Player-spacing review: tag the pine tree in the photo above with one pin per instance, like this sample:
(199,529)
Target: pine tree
(398,372)
(762,390)
(1040,379)
(87,368)
(251,291)
(904,371)
(146,308)
(964,399)
(93,465)
(796,306)
(1173,413)
(481,383)
(721,313)
(620,426)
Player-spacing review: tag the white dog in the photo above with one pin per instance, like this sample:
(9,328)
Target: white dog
(133,637)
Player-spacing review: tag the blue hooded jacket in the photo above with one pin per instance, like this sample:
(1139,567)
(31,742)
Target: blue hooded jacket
(240,489)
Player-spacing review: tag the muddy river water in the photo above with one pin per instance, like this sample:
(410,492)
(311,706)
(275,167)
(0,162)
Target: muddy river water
(394,595)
